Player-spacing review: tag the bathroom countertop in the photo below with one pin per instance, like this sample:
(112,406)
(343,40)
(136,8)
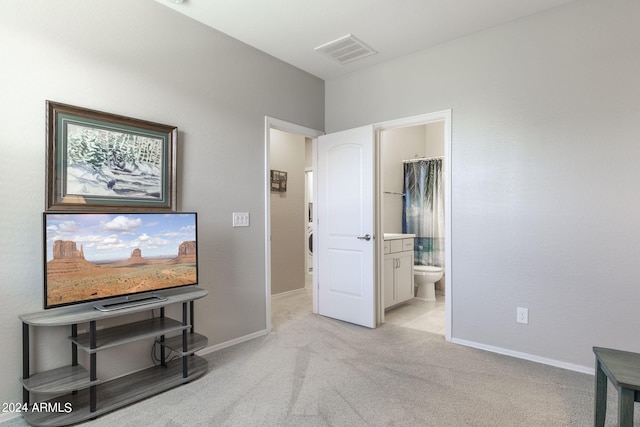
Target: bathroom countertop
(392,236)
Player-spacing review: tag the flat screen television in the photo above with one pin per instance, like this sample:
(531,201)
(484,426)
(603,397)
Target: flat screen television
(119,259)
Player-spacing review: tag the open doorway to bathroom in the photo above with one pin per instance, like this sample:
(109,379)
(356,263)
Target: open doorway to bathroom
(403,150)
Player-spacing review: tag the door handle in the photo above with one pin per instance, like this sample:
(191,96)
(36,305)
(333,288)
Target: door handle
(366,237)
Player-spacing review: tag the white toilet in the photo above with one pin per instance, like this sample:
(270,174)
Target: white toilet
(426,277)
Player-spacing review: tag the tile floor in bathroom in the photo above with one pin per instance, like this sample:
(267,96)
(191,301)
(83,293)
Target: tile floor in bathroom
(426,316)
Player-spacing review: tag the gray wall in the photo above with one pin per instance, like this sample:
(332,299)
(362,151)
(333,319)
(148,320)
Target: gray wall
(545,191)
(141,59)
(288,224)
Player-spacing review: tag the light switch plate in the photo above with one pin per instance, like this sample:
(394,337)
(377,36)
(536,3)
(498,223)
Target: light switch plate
(241,219)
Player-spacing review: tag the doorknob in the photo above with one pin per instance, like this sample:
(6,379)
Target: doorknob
(366,237)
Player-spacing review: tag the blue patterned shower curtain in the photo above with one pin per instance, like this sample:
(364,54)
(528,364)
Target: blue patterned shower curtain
(423,210)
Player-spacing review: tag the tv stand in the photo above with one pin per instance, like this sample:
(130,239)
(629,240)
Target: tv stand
(73,394)
(125,302)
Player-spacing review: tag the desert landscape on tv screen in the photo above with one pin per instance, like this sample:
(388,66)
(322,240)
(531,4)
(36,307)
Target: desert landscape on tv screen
(95,256)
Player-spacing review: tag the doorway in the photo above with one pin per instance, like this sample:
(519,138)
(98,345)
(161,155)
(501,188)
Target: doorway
(407,150)
(445,116)
(421,120)
(289,210)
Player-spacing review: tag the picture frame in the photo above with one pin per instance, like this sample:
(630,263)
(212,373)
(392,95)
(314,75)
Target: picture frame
(98,160)
(278,181)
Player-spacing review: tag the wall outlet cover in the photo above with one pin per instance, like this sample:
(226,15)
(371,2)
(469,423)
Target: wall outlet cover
(522,315)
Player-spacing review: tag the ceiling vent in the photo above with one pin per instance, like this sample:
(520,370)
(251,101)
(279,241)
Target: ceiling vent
(346,49)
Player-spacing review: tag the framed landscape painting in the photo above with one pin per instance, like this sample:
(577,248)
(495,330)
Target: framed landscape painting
(100,160)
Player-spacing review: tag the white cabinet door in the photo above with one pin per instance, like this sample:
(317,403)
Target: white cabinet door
(389,283)
(404,276)
(398,272)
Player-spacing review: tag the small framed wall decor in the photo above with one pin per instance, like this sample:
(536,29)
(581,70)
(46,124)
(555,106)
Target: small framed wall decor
(99,160)
(278,181)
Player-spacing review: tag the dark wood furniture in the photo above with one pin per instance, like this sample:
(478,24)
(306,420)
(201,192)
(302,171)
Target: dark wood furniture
(622,368)
(79,395)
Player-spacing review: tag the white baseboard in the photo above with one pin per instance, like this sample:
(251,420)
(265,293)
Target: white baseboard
(281,294)
(229,343)
(527,356)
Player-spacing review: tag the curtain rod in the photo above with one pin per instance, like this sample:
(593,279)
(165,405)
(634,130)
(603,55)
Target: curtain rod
(422,158)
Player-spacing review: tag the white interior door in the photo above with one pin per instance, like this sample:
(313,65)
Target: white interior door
(345,226)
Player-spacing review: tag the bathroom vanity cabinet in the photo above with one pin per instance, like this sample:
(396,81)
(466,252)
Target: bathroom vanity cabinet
(398,268)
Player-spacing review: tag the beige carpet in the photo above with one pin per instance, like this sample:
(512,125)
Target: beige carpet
(315,371)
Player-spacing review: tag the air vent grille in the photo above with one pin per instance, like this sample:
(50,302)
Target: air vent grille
(345,49)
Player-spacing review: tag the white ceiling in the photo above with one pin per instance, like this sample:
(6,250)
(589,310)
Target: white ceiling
(291,29)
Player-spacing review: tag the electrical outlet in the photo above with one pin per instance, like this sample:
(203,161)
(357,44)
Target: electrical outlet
(522,315)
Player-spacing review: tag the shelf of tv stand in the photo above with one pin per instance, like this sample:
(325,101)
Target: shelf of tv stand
(82,313)
(73,383)
(119,392)
(60,380)
(70,378)
(123,334)
(195,342)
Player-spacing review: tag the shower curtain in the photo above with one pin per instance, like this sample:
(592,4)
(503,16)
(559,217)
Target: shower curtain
(423,210)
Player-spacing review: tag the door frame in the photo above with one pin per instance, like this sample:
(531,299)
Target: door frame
(444,115)
(422,119)
(273,123)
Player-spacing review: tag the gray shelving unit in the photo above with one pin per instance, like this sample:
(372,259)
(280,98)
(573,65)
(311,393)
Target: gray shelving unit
(77,388)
